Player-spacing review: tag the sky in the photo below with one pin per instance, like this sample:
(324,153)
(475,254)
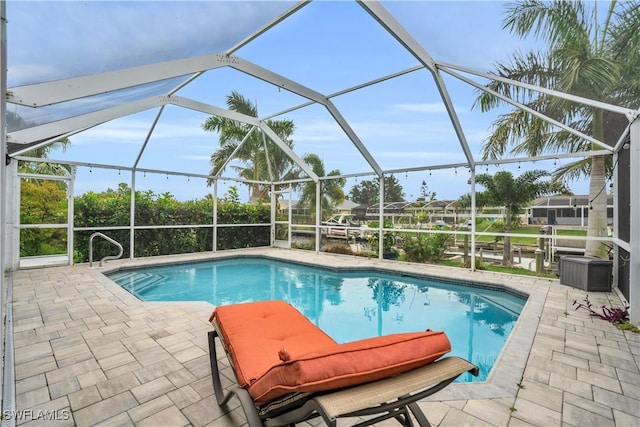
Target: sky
(327,46)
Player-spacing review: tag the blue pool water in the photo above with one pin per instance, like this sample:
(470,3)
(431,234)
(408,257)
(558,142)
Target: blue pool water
(346,305)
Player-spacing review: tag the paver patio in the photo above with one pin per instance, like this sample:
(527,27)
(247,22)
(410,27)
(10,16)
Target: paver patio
(90,353)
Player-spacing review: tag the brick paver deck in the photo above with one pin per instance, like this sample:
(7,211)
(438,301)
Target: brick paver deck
(90,353)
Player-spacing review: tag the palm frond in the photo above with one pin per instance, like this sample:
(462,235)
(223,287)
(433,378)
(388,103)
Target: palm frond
(549,21)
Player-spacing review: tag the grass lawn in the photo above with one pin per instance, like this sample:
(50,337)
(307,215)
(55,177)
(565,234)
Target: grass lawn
(488,226)
(501,269)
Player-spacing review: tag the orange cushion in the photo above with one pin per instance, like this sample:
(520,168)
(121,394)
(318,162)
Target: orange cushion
(254,333)
(344,365)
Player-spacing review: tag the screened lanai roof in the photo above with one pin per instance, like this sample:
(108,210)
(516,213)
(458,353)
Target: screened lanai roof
(370,86)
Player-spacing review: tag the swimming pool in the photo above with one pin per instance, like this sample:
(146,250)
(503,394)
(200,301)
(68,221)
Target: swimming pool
(348,305)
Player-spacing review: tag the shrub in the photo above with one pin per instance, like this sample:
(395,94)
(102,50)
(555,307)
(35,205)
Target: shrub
(338,248)
(112,208)
(389,238)
(479,263)
(426,247)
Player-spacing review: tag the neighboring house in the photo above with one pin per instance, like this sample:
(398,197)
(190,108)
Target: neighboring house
(283,204)
(437,210)
(564,210)
(345,208)
(549,210)
(393,211)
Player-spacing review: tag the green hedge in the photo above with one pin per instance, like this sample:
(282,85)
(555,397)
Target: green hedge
(112,208)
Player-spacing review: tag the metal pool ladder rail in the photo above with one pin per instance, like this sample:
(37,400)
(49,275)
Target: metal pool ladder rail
(108,257)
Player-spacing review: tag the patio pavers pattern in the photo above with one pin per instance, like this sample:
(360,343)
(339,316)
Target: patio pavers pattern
(92,354)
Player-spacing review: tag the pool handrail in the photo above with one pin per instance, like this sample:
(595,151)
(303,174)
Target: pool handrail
(105,258)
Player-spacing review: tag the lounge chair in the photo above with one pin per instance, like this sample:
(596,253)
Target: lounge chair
(288,370)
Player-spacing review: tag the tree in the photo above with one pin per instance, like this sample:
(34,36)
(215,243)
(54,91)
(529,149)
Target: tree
(333,193)
(43,167)
(368,192)
(425,194)
(365,192)
(42,202)
(258,154)
(584,56)
(513,195)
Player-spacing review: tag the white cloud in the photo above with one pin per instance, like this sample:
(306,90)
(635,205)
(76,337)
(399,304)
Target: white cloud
(194,157)
(424,154)
(31,73)
(135,130)
(431,107)
(96,36)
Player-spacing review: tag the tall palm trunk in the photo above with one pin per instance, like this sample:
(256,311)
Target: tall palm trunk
(597,221)
(507,259)
(255,187)
(255,193)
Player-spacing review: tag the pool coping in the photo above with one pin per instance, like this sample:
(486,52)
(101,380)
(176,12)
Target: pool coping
(508,370)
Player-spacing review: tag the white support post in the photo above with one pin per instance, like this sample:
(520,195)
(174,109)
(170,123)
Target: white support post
(318,213)
(290,216)
(214,246)
(3,190)
(274,207)
(634,235)
(381,219)
(132,215)
(472,260)
(12,217)
(71,214)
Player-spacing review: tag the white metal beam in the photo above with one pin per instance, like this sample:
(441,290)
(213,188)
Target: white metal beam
(148,137)
(348,90)
(29,147)
(531,111)
(574,98)
(234,115)
(393,27)
(389,23)
(634,236)
(353,137)
(47,93)
(235,151)
(292,86)
(61,127)
(293,9)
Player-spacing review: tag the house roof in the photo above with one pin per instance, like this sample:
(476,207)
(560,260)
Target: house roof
(565,201)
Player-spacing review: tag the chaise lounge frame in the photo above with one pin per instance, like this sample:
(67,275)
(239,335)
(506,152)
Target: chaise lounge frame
(395,397)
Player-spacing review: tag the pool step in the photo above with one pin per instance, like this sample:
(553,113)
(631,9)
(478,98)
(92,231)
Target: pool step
(137,283)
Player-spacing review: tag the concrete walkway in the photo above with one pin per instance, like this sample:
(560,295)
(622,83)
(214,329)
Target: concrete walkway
(89,353)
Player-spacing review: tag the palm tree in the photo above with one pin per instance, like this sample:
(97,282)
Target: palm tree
(333,188)
(16,122)
(257,154)
(586,57)
(513,195)
(43,167)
